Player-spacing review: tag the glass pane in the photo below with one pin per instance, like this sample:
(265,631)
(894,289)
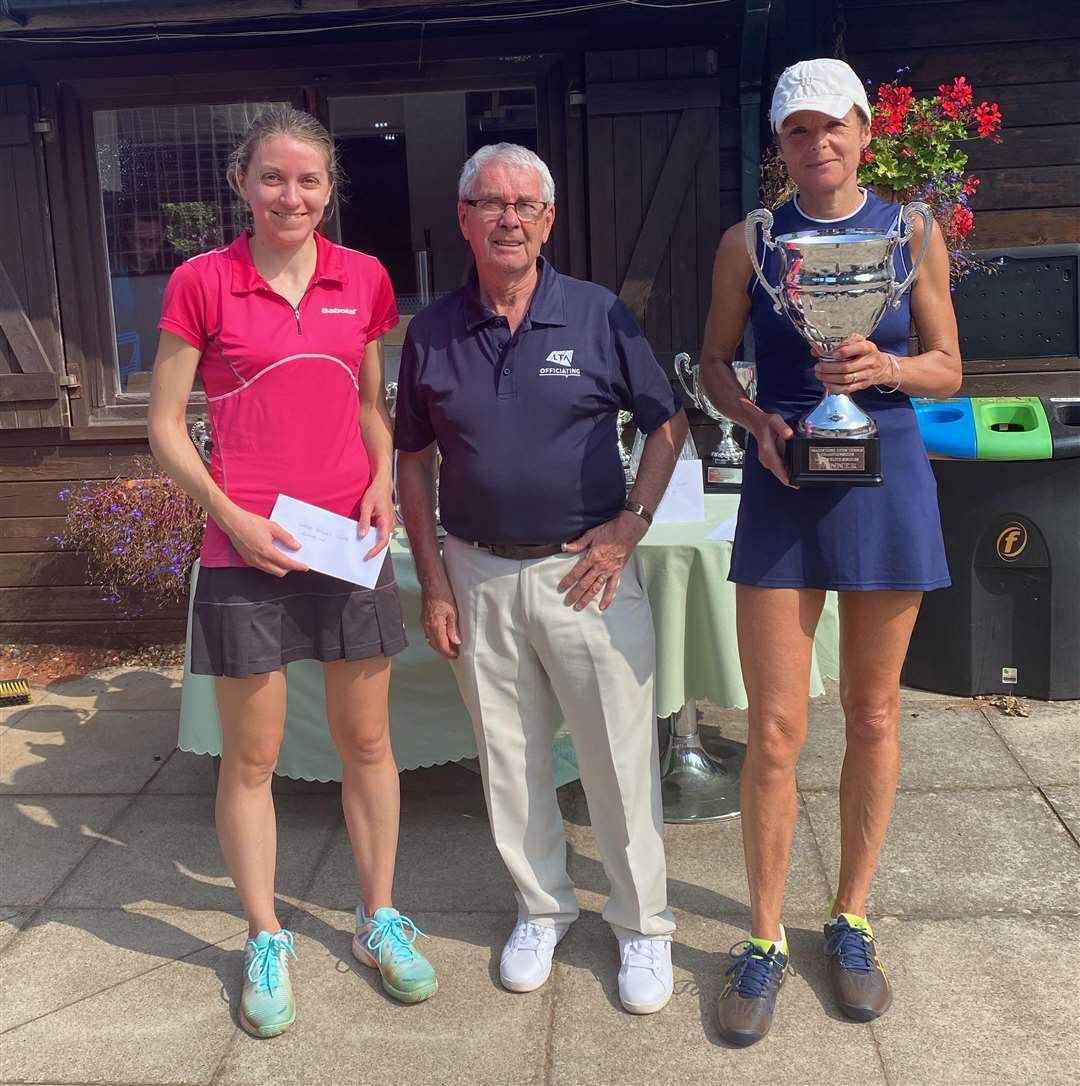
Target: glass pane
(164,198)
(402,155)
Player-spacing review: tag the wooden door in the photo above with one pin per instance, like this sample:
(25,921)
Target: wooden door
(663,161)
(31,358)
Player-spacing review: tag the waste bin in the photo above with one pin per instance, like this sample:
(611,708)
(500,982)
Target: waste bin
(1010,515)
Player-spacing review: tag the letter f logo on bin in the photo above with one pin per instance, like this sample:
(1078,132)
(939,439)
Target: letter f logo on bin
(1011,542)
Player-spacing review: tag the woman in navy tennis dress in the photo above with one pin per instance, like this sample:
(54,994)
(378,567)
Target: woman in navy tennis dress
(879,547)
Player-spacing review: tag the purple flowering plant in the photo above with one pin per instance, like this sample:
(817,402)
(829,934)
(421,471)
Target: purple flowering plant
(141,537)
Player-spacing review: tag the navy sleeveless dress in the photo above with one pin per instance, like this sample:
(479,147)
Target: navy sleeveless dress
(846,538)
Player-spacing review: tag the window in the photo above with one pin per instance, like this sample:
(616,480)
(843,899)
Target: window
(402,155)
(164,198)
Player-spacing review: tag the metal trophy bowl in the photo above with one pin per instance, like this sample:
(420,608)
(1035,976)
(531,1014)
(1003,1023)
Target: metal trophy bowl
(835,283)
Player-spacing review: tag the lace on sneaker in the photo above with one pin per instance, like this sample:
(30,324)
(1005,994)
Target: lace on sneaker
(752,969)
(644,954)
(853,946)
(397,934)
(264,969)
(528,936)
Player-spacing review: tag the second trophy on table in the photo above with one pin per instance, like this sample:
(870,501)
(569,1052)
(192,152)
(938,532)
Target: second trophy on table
(723,468)
(835,283)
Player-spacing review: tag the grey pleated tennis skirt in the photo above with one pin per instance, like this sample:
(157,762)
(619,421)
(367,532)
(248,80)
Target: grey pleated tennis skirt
(247,622)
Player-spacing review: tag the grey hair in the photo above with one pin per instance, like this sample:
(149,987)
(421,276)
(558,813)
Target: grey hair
(511,154)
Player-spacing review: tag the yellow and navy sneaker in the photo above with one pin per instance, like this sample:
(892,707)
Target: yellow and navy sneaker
(748,999)
(267,1006)
(385,942)
(859,983)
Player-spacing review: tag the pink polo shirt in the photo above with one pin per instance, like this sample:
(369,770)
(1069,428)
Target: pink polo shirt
(281,383)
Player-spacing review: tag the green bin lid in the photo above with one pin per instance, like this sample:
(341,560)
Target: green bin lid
(1011,428)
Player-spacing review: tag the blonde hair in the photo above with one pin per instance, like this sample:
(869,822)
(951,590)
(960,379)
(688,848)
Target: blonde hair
(285,121)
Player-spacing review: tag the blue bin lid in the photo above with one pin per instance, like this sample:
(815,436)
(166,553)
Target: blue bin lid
(947,426)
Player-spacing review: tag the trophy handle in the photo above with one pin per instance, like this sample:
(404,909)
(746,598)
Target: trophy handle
(764,216)
(916,210)
(684,371)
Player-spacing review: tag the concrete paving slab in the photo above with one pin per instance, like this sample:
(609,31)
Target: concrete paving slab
(66,955)
(184,774)
(10,713)
(982,1000)
(12,922)
(596,1041)
(705,868)
(172,1024)
(348,1031)
(118,688)
(164,851)
(44,838)
(941,746)
(1047,743)
(447,860)
(954,853)
(72,751)
(1065,799)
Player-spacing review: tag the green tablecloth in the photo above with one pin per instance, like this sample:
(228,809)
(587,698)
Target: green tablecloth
(697,657)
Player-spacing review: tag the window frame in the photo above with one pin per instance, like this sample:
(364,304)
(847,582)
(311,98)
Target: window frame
(99,408)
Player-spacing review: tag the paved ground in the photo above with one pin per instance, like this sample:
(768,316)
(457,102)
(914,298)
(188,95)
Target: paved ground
(120,944)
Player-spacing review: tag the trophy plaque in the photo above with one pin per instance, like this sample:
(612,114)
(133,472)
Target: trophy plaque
(835,283)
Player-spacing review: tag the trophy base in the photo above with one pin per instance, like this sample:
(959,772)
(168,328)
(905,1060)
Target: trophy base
(834,461)
(722,478)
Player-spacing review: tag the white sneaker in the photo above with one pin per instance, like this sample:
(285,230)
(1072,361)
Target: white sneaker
(526,959)
(645,980)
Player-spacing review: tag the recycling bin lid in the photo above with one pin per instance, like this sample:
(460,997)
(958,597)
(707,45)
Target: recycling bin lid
(1011,428)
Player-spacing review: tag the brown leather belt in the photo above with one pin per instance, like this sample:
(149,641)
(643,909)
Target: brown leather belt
(520,552)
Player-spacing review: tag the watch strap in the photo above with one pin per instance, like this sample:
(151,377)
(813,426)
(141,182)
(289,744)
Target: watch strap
(639,511)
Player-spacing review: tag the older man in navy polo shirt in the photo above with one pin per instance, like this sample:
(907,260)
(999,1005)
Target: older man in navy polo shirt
(517,378)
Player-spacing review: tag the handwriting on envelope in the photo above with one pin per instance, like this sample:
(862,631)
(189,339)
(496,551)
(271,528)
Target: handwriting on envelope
(328,542)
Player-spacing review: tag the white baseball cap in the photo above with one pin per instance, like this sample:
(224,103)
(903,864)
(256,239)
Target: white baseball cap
(824,85)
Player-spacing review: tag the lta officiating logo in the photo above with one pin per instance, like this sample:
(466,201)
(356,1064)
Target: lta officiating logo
(563,365)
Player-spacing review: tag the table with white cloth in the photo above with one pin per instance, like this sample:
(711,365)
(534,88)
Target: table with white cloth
(693,606)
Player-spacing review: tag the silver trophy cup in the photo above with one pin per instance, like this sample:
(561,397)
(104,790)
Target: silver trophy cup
(723,468)
(835,283)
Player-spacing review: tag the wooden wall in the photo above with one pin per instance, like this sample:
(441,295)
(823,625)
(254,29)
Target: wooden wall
(44,594)
(1026,57)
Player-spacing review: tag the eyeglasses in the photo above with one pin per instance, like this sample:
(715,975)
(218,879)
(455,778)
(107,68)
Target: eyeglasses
(526,210)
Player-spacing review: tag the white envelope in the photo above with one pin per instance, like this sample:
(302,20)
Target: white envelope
(684,500)
(328,542)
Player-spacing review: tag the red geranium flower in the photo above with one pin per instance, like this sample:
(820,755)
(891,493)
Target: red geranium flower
(970,185)
(988,118)
(955,97)
(962,221)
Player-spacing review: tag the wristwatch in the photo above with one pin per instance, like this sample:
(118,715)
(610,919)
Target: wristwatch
(639,511)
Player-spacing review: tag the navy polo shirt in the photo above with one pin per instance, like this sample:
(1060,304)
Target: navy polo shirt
(526,423)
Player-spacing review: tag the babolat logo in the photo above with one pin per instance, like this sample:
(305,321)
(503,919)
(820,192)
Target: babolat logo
(333,309)
(563,365)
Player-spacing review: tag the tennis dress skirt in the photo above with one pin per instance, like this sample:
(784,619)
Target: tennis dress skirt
(246,622)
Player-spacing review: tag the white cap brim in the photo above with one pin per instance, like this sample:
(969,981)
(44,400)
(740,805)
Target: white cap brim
(832,105)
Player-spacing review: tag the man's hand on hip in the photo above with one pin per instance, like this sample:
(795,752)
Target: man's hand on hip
(607,548)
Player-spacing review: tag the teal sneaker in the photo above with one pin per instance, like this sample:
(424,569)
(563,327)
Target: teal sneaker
(385,942)
(267,1007)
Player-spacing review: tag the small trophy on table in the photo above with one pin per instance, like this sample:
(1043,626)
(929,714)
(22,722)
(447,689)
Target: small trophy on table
(723,468)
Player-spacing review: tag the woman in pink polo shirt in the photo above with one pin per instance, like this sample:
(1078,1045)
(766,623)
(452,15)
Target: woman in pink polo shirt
(284,329)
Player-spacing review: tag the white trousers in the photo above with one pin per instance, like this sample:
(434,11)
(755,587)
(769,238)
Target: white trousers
(527,662)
